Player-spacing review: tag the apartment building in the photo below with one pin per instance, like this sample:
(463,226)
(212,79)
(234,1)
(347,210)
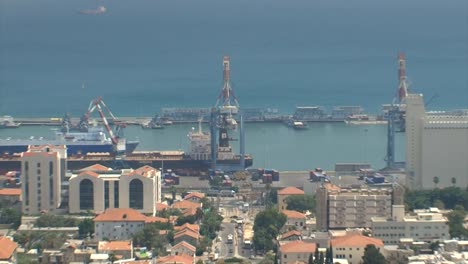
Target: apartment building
(118,224)
(339,208)
(42,172)
(296,252)
(351,247)
(422,225)
(98,188)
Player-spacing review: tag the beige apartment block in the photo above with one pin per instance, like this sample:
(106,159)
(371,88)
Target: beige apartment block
(42,171)
(351,247)
(339,208)
(98,188)
(422,225)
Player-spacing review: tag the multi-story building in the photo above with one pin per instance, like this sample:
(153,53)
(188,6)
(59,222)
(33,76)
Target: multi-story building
(283,194)
(436,146)
(423,225)
(42,172)
(351,247)
(98,188)
(118,224)
(296,252)
(339,208)
(295,220)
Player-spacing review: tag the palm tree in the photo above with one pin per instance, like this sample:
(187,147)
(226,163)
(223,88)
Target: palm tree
(454,181)
(436,181)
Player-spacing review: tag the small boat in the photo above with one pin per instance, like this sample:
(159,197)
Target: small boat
(97,11)
(299,125)
(8,122)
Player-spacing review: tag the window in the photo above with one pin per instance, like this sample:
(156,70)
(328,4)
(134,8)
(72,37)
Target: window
(86,195)
(285,256)
(136,194)
(116,194)
(51,168)
(106,194)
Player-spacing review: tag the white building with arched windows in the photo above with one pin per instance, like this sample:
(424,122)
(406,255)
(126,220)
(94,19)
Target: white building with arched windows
(97,188)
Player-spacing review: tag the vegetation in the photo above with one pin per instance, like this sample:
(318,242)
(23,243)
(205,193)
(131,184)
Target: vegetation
(372,255)
(456,219)
(49,220)
(150,237)
(266,228)
(86,227)
(40,240)
(10,216)
(450,197)
(301,203)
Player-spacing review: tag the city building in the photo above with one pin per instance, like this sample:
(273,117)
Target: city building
(351,247)
(193,227)
(98,188)
(195,197)
(7,250)
(121,249)
(295,220)
(118,224)
(422,225)
(296,251)
(183,248)
(188,236)
(283,194)
(292,235)
(436,146)
(10,196)
(42,172)
(180,259)
(339,208)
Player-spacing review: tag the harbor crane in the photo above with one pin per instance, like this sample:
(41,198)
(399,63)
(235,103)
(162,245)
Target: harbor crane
(83,125)
(223,120)
(396,113)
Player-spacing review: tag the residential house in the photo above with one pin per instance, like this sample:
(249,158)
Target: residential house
(193,227)
(181,259)
(283,194)
(183,248)
(292,235)
(188,236)
(351,247)
(295,221)
(118,224)
(7,250)
(296,251)
(121,249)
(195,197)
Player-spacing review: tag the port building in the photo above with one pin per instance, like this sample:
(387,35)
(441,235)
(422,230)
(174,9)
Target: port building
(341,208)
(42,172)
(426,225)
(436,146)
(97,188)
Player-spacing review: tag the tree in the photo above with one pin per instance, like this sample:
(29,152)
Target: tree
(456,219)
(454,181)
(49,220)
(10,216)
(372,255)
(436,181)
(266,227)
(301,203)
(311,259)
(316,254)
(321,259)
(149,237)
(86,227)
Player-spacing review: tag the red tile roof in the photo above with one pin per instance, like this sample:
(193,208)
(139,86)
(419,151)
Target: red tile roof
(298,246)
(187,232)
(190,211)
(96,167)
(193,227)
(10,192)
(356,240)
(175,260)
(115,245)
(146,171)
(7,248)
(186,204)
(184,244)
(290,233)
(161,206)
(290,191)
(293,214)
(89,173)
(195,195)
(120,215)
(35,154)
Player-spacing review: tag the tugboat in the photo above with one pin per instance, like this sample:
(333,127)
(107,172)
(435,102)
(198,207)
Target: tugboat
(155,123)
(8,122)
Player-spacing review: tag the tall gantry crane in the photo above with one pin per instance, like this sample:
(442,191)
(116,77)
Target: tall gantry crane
(223,120)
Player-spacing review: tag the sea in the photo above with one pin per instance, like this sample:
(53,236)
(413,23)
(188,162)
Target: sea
(142,55)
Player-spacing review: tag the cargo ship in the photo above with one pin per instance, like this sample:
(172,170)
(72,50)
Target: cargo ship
(78,143)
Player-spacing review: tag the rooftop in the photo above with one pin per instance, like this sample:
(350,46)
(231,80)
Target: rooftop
(356,240)
(193,227)
(175,260)
(184,244)
(298,246)
(290,191)
(10,191)
(7,248)
(186,204)
(194,195)
(293,214)
(115,245)
(96,167)
(120,215)
(290,233)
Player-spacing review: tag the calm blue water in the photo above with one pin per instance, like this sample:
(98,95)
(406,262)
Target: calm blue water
(146,54)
